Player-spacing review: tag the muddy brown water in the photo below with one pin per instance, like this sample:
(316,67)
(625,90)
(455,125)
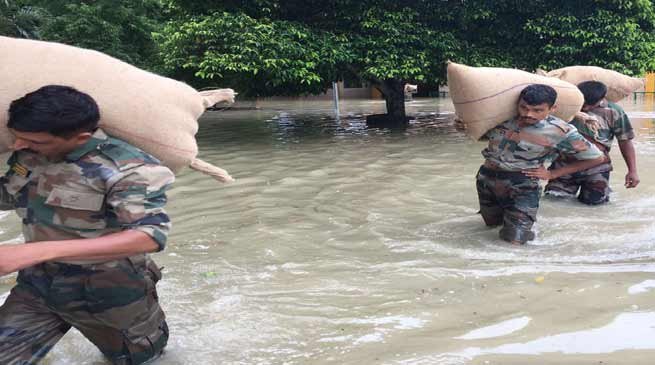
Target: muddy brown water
(342,244)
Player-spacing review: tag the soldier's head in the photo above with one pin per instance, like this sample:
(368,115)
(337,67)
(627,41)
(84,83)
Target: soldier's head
(536,102)
(53,120)
(594,92)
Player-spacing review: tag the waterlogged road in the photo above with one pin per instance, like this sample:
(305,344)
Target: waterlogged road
(340,244)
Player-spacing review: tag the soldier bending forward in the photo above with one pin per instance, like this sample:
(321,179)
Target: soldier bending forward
(92,208)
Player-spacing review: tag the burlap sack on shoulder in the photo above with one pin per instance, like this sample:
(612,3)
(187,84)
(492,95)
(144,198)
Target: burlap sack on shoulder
(157,114)
(487,96)
(618,85)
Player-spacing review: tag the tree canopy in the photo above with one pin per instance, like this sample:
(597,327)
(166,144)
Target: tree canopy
(551,34)
(121,28)
(19,21)
(262,56)
(293,47)
(280,47)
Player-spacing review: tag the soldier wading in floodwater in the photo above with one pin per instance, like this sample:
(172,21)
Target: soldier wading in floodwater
(92,207)
(508,181)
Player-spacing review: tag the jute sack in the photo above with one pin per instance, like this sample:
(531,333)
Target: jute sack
(618,85)
(487,96)
(157,114)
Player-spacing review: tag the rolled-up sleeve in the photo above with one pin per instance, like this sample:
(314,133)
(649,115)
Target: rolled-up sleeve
(622,127)
(137,200)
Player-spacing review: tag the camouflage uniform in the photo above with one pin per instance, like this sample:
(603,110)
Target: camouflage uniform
(102,187)
(506,195)
(594,182)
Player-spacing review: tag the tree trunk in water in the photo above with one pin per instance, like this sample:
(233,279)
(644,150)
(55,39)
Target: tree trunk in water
(393,91)
(395,98)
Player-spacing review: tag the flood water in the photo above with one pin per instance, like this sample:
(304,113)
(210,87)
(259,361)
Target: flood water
(342,244)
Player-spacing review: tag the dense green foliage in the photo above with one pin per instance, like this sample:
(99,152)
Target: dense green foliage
(622,41)
(275,47)
(121,28)
(330,40)
(259,56)
(388,43)
(19,21)
(550,34)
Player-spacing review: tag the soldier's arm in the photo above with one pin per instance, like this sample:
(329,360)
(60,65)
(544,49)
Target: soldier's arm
(570,168)
(574,144)
(112,246)
(587,157)
(624,134)
(136,203)
(630,158)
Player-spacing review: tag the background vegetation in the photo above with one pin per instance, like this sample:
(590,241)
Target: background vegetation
(293,47)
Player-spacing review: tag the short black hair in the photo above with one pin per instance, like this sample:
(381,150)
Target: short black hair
(537,94)
(55,109)
(593,91)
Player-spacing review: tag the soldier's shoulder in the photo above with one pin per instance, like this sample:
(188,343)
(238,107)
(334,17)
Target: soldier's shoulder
(558,124)
(122,155)
(615,110)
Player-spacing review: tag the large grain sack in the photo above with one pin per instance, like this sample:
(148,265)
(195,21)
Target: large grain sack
(157,114)
(618,85)
(487,96)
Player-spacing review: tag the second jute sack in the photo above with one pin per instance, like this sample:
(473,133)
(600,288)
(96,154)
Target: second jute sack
(618,85)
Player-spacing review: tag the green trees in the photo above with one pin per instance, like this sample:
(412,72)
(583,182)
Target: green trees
(291,47)
(549,34)
(294,47)
(618,35)
(121,28)
(257,56)
(19,21)
(394,46)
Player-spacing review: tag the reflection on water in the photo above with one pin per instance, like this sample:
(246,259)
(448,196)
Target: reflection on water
(496,330)
(637,331)
(343,244)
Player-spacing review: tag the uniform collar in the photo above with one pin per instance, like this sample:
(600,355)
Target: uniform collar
(97,138)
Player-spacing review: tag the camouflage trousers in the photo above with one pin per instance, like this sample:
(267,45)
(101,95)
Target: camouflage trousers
(594,188)
(510,199)
(113,304)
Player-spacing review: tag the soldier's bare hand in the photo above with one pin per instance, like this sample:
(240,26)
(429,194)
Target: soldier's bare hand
(11,258)
(589,121)
(541,173)
(17,257)
(631,180)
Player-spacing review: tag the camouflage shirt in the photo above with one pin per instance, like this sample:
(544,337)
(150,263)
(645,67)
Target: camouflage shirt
(102,187)
(514,148)
(613,122)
